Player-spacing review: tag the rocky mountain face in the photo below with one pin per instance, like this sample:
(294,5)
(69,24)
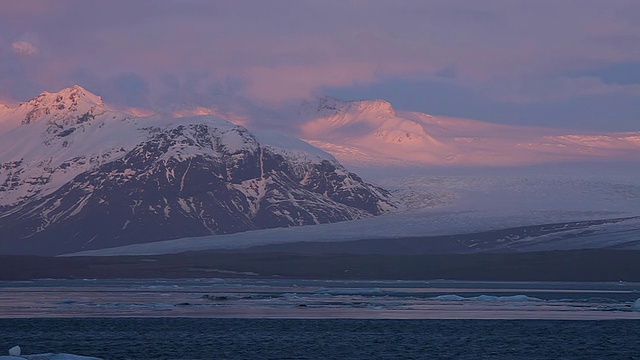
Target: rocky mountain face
(77,175)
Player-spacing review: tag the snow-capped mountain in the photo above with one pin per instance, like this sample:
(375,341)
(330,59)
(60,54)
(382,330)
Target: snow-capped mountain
(373,132)
(76,174)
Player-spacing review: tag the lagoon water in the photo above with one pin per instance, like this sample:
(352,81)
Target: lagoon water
(309,319)
(207,338)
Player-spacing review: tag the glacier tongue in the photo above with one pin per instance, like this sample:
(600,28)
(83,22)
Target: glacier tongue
(434,206)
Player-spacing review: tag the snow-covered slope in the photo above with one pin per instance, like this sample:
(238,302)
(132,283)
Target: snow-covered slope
(40,151)
(373,133)
(75,174)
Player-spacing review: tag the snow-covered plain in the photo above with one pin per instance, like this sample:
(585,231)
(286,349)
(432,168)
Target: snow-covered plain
(447,205)
(373,132)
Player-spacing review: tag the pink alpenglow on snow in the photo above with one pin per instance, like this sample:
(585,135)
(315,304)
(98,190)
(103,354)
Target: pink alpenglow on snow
(373,132)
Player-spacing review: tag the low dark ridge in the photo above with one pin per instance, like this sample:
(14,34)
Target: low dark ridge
(575,265)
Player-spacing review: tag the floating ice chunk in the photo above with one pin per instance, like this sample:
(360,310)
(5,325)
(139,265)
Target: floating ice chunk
(510,298)
(516,298)
(15,351)
(48,356)
(61,356)
(636,305)
(360,291)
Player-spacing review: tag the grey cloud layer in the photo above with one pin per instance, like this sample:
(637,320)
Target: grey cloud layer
(139,53)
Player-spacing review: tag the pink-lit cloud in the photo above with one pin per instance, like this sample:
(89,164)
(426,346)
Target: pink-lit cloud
(141,52)
(564,88)
(24,48)
(30,7)
(290,82)
(6,102)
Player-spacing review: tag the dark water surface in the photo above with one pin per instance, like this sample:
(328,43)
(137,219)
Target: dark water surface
(210,338)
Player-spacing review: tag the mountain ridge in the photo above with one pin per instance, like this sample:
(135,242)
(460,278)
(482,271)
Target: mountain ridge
(76,174)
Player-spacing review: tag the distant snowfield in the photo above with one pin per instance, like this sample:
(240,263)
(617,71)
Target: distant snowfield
(373,132)
(446,205)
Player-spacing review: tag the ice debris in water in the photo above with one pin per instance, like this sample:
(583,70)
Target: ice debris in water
(514,298)
(636,305)
(15,351)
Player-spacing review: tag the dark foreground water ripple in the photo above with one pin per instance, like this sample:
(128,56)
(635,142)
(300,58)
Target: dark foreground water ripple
(193,338)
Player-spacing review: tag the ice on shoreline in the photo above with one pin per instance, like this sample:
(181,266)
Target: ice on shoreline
(15,353)
(511,298)
(61,356)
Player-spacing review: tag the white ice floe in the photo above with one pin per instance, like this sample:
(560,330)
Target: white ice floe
(361,291)
(15,353)
(508,298)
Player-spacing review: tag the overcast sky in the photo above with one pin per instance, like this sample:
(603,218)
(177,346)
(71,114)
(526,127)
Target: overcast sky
(565,63)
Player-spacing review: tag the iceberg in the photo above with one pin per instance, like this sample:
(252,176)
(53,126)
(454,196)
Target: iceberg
(636,305)
(515,298)
(15,354)
(15,351)
(359,291)
(512,298)
(450,297)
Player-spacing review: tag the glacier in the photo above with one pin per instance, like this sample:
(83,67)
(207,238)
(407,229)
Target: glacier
(447,205)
